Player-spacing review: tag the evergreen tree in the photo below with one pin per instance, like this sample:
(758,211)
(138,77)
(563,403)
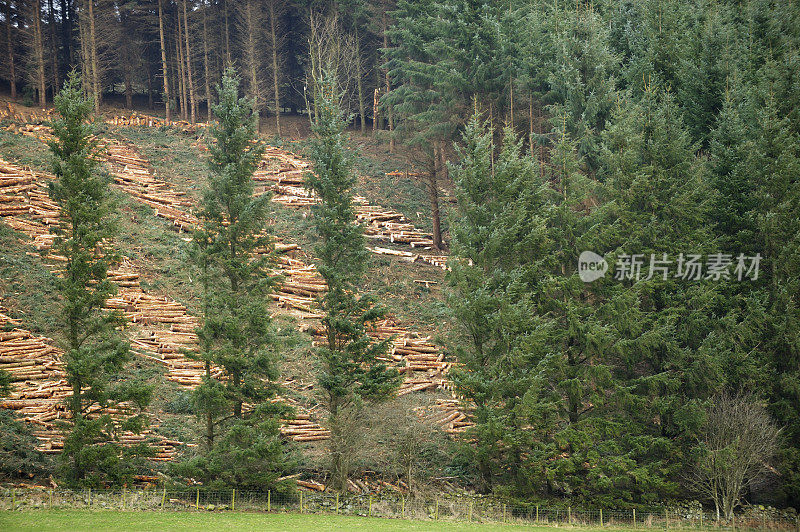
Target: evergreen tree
(94,351)
(236,332)
(349,372)
(582,77)
(670,357)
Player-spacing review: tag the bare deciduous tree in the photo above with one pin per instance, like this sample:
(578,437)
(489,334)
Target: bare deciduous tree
(736,444)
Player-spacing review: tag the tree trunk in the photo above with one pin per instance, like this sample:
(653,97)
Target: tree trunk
(275,84)
(251,56)
(53,46)
(128,88)
(360,81)
(376,96)
(181,69)
(228,61)
(205,63)
(38,47)
(94,61)
(188,53)
(433,194)
(12,72)
(149,87)
(164,61)
(389,113)
(66,33)
(83,39)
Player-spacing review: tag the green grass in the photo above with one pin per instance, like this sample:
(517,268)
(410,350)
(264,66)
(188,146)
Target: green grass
(27,288)
(75,520)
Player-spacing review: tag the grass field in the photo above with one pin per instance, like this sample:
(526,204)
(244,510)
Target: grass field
(76,520)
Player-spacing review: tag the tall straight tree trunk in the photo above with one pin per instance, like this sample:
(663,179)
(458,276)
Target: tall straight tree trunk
(275,85)
(227,34)
(360,81)
(83,38)
(51,17)
(433,195)
(149,87)
(205,62)
(128,88)
(389,113)
(164,61)
(38,47)
(181,68)
(251,56)
(188,53)
(66,33)
(93,57)
(12,71)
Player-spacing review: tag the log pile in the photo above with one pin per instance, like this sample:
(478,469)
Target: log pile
(303,429)
(139,120)
(133,175)
(285,180)
(25,115)
(420,361)
(39,388)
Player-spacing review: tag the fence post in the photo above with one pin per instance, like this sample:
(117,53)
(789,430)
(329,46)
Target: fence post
(634,518)
(369,513)
(436,515)
(337,502)
(569,515)
(269,497)
(233,499)
(601,517)
(537,514)
(301,502)
(163,497)
(90,496)
(197,500)
(403,506)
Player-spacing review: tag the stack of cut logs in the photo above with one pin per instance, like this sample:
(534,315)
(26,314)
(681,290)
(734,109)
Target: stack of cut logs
(39,389)
(133,175)
(298,295)
(285,180)
(153,121)
(448,414)
(25,115)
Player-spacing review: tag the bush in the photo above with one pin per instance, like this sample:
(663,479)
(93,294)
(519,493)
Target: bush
(18,458)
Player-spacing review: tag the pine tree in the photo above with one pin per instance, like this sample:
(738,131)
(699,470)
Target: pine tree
(94,351)
(497,232)
(232,250)
(349,372)
(670,356)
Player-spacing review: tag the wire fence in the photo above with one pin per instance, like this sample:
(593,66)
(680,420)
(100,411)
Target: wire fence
(397,506)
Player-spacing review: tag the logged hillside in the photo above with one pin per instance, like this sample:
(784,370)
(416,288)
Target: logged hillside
(158,174)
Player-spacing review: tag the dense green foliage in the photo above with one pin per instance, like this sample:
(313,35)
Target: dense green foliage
(673,132)
(232,254)
(348,370)
(94,350)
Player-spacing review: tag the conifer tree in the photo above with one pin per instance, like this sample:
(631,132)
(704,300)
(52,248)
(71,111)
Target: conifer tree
(94,350)
(497,231)
(232,250)
(349,372)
